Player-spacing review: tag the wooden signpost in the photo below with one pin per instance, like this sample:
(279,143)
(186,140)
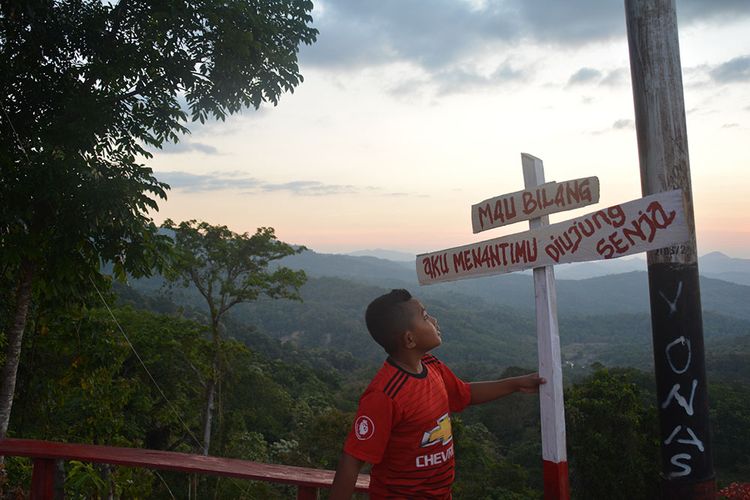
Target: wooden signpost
(648,223)
(636,226)
(533,202)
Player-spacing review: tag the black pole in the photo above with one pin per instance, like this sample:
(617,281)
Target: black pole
(676,321)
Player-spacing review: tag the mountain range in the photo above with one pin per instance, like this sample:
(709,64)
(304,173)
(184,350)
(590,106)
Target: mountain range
(620,292)
(712,265)
(487,322)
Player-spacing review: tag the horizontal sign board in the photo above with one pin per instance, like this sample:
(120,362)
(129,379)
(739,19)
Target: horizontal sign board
(640,225)
(534,202)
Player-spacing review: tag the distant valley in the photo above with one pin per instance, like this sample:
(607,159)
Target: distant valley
(623,290)
(712,265)
(488,323)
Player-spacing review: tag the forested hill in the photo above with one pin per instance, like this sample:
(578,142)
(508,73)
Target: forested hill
(488,323)
(315,357)
(625,292)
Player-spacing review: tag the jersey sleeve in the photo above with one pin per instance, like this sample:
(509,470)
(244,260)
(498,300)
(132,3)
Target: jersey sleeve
(459,392)
(372,426)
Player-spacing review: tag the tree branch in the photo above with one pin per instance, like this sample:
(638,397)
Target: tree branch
(140,89)
(116,19)
(197,282)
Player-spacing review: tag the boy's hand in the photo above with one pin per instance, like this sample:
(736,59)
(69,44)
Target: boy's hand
(481,392)
(530,383)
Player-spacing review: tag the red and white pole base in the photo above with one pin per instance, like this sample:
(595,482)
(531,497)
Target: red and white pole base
(556,484)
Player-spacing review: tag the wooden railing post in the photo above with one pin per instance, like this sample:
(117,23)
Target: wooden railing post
(307,493)
(43,479)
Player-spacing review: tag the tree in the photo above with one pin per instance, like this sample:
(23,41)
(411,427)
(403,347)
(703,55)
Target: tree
(88,84)
(228,269)
(612,436)
(80,381)
(728,403)
(481,471)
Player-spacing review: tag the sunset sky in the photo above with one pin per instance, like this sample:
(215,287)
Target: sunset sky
(411,111)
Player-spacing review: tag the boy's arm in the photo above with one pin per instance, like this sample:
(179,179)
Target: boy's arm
(346,477)
(481,392)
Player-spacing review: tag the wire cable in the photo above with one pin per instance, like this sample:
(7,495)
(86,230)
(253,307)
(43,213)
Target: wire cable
(15,134)
(171,406)
(148,372)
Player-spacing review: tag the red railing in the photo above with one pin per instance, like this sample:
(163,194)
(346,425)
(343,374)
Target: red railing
(45,453)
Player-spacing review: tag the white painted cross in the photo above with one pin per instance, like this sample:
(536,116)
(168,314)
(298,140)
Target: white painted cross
(640,225)
(551,404)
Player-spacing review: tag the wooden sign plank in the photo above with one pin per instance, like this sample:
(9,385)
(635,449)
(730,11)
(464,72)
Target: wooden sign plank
(534,202)
(640,225)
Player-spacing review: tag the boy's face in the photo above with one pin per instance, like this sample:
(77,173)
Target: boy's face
(423,327)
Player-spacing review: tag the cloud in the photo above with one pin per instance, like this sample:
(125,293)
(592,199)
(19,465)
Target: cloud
(444,40)
(689,11)
(310,188)
(456,80)
(734,70)
(221,181)
(623,123)
(605,78)
(188,147)
(572,22)
(441,33)
(359,33)
(584,75)
(215,181)
(616,77)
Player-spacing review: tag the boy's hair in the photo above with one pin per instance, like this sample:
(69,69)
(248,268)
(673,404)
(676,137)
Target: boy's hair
(387,317)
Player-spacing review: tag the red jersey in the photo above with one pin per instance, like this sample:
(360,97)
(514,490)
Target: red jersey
(403,428)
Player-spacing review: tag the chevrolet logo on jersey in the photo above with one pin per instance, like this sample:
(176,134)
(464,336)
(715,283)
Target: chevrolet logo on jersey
(442,433)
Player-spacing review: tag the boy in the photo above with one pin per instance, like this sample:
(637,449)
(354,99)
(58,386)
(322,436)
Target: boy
(403,424)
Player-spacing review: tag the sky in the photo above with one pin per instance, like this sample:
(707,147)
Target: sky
(411,111)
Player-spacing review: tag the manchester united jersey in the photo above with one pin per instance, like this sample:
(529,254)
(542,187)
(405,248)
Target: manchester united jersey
(403,428)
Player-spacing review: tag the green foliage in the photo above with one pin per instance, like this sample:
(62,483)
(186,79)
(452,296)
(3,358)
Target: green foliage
(514,423)
(729,359)
(87,480)
(15,474)
(81,380)
(730,420)
(322,436)
(87,84)
(290,399)
(327,332)
(331,316)
(481,471)
(612,437)
(105,77)
(229,268)
(480,336)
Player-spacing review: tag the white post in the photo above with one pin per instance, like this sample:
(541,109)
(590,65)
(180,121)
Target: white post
(550,365)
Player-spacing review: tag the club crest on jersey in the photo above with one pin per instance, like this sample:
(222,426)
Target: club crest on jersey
(442,433)
(364,428)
